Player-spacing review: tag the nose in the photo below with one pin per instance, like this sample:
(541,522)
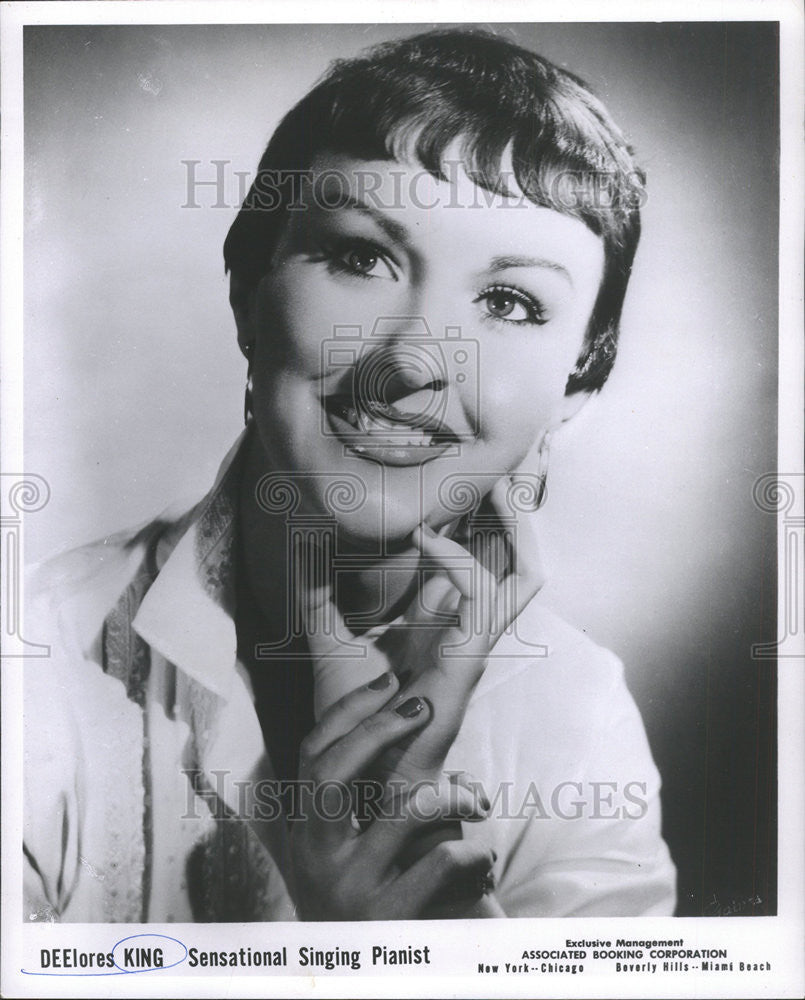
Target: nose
(398,374)
(402,360)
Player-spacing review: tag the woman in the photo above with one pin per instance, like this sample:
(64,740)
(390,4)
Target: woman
(325,692)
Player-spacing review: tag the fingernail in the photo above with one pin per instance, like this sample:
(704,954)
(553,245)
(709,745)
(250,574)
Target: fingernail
(410,708)
(494,855)
(427,530)
(404,676)
(380,683)
(486,883)
(486,805)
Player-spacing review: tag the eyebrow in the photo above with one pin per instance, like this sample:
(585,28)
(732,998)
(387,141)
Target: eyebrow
(398,232)
(394,230)
(505,262)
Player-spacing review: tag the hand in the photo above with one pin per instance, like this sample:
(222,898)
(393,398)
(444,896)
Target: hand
(490,598)
(345,873)
(445,664)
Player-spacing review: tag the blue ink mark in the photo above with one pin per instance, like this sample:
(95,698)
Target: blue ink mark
(155,968)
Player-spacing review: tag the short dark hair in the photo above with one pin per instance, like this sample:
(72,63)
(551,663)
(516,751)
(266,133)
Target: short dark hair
(419,94)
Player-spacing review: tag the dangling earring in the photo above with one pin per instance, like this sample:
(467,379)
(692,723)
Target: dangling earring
(542,469)
(528,489)
(247,400)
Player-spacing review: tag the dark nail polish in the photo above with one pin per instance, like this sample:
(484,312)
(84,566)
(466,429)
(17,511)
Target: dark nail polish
(380,683)
(486,883)
(494,855)
(410,708)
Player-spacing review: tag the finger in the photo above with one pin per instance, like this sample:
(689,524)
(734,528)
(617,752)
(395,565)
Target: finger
(434,602)
(460,565)
(349,757)
(524,555)
(446,799)
(525,574)
(448,802)
(403,828)
(316,607)
(401,823)
(347,712)
(477,587)
(468,781)
(453,870)
(389,820)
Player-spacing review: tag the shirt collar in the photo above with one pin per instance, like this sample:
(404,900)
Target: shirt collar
(188,613)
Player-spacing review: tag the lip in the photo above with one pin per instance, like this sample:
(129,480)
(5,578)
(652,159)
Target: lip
(382,433)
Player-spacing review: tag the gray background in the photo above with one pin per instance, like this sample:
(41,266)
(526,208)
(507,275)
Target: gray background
(133,384)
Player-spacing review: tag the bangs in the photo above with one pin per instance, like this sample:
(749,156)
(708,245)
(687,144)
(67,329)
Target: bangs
(513,116)
(520,126)
(547,164)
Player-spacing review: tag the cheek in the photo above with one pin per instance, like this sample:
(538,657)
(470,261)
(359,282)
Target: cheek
(290,324)
(521,390)
(299,308)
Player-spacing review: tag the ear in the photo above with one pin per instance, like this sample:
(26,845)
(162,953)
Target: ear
(241,298)
(571,405)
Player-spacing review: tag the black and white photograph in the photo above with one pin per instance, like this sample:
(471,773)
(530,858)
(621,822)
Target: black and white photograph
(402,501)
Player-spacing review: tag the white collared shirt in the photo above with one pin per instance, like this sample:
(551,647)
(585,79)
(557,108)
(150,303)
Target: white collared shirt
(146,774)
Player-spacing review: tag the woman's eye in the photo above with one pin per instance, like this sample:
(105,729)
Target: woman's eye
(358,260)
(505,306)
(512,305)
(362,261)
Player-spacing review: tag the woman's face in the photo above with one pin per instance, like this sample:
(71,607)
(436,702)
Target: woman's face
(410,332)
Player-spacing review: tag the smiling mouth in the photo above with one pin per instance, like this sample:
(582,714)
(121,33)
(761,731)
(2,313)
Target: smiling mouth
(384,432)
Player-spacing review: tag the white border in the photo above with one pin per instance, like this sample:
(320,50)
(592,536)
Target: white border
(781,936)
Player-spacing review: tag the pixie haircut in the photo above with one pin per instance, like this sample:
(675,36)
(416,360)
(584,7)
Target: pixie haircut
(511,113)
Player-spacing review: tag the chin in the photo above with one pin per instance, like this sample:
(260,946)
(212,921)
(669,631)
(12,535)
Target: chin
(365,530)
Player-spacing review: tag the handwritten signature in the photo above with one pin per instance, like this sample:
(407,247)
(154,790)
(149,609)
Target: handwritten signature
(715,907)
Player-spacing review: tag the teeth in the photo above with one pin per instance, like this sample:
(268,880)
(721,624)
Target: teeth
(422,442)
(384,428)
(377,425)
(371,423)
